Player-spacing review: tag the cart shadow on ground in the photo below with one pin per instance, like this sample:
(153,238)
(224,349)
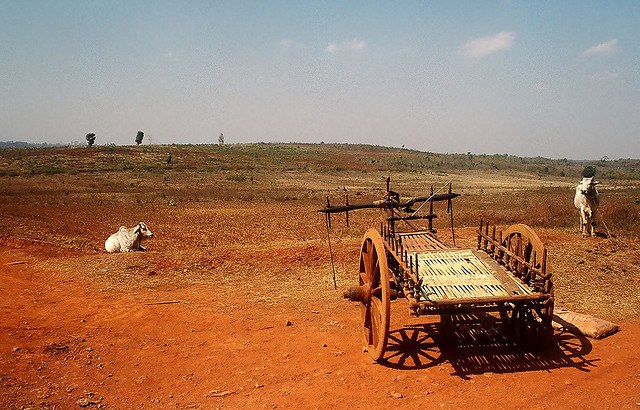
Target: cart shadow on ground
(479,343)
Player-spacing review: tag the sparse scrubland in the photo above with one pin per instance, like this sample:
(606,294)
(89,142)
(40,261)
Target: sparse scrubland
(502,188)
(233,303)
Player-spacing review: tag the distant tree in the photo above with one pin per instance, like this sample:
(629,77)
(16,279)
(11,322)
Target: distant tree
(221,139)
(589,171)
(91,138)
(139,137)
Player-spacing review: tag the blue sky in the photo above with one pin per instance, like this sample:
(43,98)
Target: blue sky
(558,79)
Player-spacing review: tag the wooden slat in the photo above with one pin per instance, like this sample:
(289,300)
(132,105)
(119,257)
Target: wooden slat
(510,283)
(420,241)
(534,296)
(460,274)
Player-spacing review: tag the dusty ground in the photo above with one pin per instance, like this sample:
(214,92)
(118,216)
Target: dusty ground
(67,343)
(233,305)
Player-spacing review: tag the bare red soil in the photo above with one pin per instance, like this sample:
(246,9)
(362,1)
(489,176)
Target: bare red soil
(67,343)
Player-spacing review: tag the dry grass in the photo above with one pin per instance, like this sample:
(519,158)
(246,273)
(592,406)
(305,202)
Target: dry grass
(237,218)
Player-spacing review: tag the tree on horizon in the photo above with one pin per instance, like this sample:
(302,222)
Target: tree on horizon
(139,137)
(91,138)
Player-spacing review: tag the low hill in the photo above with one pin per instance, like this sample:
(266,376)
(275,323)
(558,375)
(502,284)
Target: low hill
(316,158)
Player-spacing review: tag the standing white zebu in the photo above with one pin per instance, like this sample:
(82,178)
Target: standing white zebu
(587,201)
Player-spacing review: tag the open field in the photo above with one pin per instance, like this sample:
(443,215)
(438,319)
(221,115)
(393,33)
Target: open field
(240,252)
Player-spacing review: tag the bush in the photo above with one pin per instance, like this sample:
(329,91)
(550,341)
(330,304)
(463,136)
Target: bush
(589,171)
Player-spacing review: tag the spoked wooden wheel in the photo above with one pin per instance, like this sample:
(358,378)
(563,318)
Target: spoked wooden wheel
(535,319)
(530,325)
(374,284)
(540,316)
(513,317)
(524,242)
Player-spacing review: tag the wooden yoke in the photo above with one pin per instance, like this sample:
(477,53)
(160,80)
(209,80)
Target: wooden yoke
(395,204)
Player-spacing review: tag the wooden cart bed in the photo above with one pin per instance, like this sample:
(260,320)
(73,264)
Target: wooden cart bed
(460,274)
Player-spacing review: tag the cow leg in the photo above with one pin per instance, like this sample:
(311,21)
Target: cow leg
(588,217)
(583,223)
(580,224)
(592,222)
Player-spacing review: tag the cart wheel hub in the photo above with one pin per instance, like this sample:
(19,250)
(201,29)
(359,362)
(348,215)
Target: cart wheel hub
(358,293)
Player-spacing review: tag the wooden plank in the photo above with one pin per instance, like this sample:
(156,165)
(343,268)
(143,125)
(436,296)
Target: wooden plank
(484,300)
(418,242)
(461,276)
(510,283)
(422,240)
(458,274)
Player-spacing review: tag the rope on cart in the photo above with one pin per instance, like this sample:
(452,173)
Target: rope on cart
(431,196)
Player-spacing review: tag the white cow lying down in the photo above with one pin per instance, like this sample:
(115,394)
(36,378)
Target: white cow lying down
(128,239)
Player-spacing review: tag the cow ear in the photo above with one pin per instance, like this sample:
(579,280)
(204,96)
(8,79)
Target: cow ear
(137,230)
(596,182)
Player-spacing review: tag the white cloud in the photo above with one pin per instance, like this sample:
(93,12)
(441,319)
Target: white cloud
(353,45)
(605,76)
(484,46)
(602,49)
(287,43)
(169,56)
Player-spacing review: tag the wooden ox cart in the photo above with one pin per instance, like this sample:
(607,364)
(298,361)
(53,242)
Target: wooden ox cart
(506,273)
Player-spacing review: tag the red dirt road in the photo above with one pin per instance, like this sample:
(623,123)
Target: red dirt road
(65,343)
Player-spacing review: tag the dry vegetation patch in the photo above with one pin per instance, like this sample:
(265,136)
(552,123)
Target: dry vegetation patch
(233,304)
(243,215)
